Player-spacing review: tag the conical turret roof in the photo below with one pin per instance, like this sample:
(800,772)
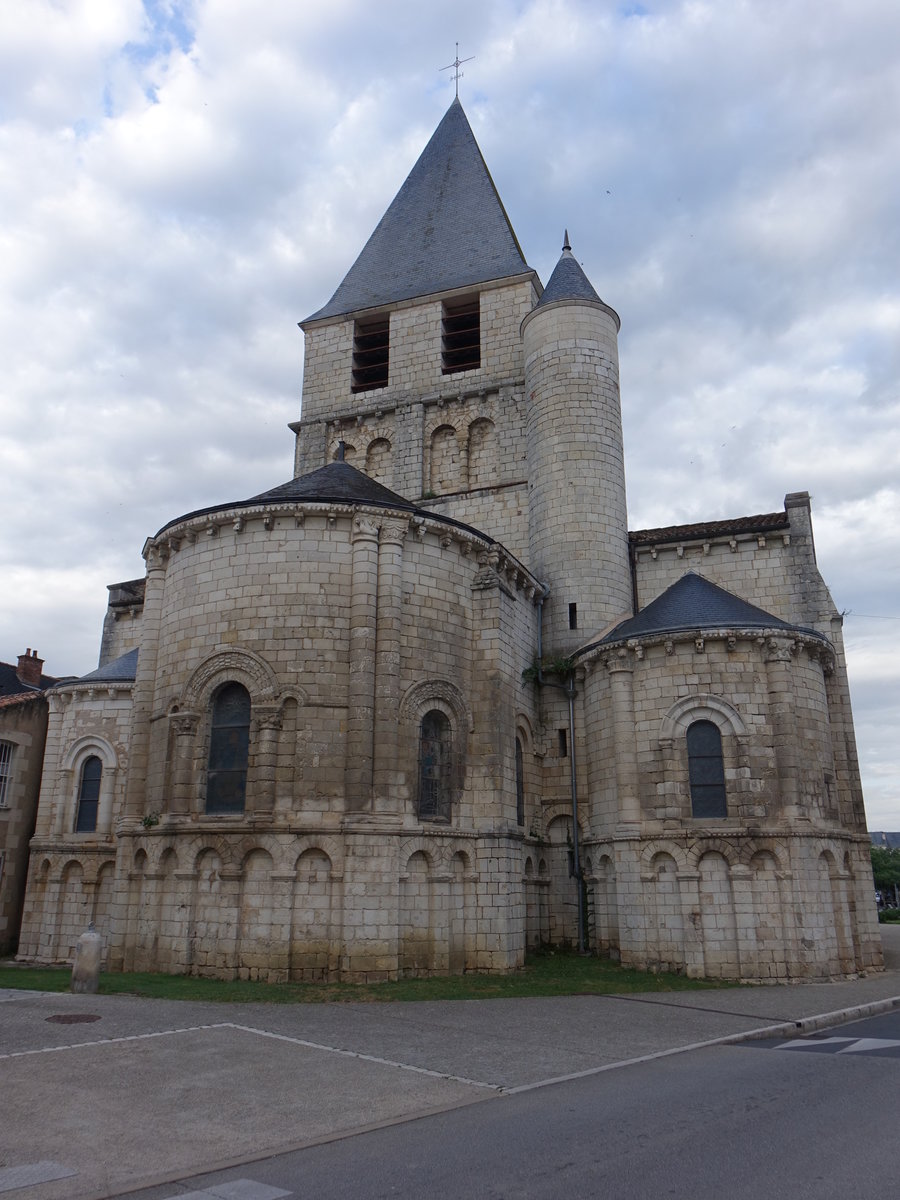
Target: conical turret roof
(568,281)
(695,603)
(446,228)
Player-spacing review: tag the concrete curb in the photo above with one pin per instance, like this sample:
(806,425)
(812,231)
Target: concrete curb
(821,1021)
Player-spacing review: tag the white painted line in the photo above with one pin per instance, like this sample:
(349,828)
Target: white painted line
(246,1189)
(236,1189)
(384,1062)
(862,1045)
(280,1037)
(134,1037)
(812,1043)
(30,1174)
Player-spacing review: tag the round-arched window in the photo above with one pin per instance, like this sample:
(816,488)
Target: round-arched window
(229,750)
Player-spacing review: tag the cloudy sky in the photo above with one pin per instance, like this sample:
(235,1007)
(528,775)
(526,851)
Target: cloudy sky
(181,181)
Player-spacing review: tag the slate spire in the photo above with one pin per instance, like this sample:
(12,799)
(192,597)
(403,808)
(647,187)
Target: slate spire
(568,281)
(445,228)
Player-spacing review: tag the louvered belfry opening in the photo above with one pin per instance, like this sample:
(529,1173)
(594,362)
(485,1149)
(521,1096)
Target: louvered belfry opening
(371,354)
(461,335)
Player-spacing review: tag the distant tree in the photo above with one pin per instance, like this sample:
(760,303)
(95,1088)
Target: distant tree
(886,869)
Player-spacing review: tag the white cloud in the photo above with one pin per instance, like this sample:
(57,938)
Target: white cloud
(182,182)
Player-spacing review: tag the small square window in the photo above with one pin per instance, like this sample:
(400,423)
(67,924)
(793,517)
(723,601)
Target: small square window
(371,354)
(461,336)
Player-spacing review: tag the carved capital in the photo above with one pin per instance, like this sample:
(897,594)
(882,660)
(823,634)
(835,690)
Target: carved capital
(184,724)
(393,532)
(267,716)
(779,649)
(365,528)
(620,660)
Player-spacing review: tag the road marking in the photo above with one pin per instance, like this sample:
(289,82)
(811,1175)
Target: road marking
(235,1189)
(133,1037)
(30,1174)
(280,1037)
(812,1043)
(384,1062)
(864,1045)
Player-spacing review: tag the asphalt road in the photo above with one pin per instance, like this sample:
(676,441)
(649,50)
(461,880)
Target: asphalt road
(794,1118)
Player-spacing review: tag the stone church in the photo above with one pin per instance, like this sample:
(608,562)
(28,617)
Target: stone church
(429,703)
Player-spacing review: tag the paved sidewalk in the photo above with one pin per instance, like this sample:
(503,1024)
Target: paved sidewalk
(103,1094)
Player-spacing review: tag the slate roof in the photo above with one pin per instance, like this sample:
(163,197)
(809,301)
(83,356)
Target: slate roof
(568,281)
(882,838)
(120,670)
(695,603)
(445,228)
(761,523)
(337,482)
(12,685)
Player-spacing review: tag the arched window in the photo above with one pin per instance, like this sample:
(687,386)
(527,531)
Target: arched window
(229,750)
(88,795)
(520,784)
(435,767)
(706,770)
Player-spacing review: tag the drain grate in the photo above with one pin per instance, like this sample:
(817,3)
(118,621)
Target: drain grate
(72,1018)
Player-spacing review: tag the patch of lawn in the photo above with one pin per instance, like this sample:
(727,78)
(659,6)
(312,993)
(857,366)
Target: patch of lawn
(557,973)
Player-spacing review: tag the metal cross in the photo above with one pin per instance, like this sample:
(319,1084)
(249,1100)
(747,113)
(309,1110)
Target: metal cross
(456,64)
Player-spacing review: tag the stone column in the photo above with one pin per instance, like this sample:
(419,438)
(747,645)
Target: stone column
(692,924)
(781,707)
(621,669)
(52,780)
(184,727)
(387,663)
(745,922)
(106,801)
(361,687)
(268,725)
(66,803)
(145,685)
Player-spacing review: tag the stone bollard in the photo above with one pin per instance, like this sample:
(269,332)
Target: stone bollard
(86,968)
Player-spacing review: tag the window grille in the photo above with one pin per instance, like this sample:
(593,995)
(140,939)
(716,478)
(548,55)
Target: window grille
(520,784)
(229,750)
(89,795)
(706,770)
(371,354)
(435,767)
(461,336)
(6,758)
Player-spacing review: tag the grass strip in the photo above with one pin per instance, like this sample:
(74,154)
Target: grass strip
(557,973)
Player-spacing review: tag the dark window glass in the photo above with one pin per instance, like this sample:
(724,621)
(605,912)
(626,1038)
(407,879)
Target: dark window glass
(520,784)
(89,795)
(461,336)
(573,616)
(229,750)
(706,770)
(435,767)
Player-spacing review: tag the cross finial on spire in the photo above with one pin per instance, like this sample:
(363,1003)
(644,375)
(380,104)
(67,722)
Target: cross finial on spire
(456,64)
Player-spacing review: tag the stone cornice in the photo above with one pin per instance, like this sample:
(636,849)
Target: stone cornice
(372,517)
(770,642)
(93,690)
